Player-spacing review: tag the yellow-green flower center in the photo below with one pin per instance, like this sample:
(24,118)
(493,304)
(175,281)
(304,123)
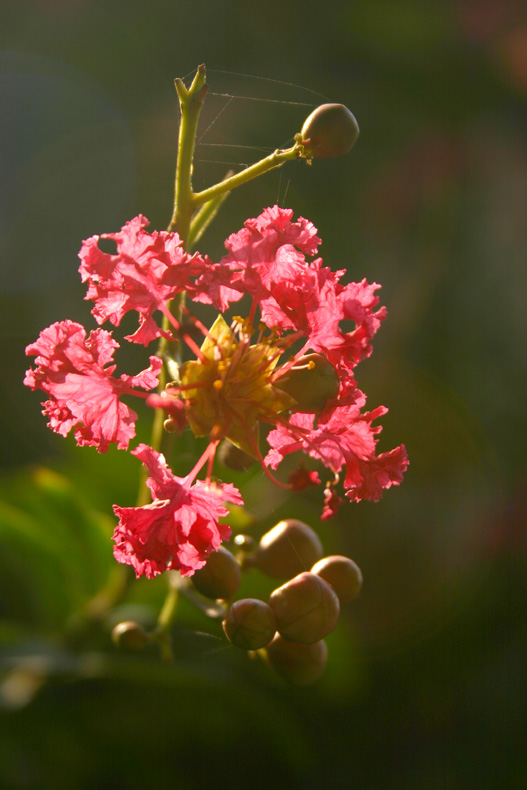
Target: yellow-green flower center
(229,390)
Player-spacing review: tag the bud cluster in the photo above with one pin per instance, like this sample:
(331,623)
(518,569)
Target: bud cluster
(288,629)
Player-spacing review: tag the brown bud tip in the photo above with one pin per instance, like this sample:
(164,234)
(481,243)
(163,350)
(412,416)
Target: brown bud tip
(129,635)
(288,549)
(311,382)
(329,131)
(220,577)
(297,663)
(250,624)
(342,574)
(306,608)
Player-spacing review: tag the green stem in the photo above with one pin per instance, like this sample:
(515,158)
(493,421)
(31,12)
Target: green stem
(276,159)
(164,622)
(190,102)
(168,612)
(204,216)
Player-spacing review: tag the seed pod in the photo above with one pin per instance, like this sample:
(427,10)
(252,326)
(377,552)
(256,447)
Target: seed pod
(287,549)
(220,577)
(250,624)
(129,635)
(342,574)
(329,131)
(312,382)
(306,609)
(297,663)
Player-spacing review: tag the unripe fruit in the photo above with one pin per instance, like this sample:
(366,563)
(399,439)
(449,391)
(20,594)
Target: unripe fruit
(297,663)
(312,383)
(306,609)
(250,624)
(129,635)
(287,549)
(342,574)
(329,131)
(220,577)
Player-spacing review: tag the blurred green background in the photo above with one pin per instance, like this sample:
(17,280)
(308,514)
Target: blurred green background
(426,685)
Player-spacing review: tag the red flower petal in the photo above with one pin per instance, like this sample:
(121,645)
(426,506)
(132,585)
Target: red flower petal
(72,370)
(179,529)
(145,273)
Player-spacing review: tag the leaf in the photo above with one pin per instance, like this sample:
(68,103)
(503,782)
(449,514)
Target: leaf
(56,551)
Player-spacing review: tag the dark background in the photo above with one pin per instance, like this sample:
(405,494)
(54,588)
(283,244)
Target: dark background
(426,682)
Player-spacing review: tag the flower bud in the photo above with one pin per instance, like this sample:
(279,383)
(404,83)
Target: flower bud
(234,457)
(129,635)
(220,577)
(306,609)
(311,382)
(171,426)
(342,574)
(250,624)
(244,543)
(297,663)
(287,549)
(329,131)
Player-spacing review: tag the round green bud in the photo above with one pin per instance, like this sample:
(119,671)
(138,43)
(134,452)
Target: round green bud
(306,609)
(244,543)
(220,578)
(342,574)
(234,457)
(329,131)
(297,663)
(129,635)
(312,382)
(287,549)
(250,624)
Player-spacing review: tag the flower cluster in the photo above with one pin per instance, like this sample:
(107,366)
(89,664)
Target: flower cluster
(287,364)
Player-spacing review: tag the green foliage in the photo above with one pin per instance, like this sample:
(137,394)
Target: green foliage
(55,553)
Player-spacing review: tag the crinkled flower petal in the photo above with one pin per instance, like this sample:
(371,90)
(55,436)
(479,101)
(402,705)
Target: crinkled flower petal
(257,255)
(267,260)
(179,529)
(72,369)
(345,438)
(146,272)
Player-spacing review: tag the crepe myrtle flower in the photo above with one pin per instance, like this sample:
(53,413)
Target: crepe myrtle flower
(180,528)
(288,363)
(74,371)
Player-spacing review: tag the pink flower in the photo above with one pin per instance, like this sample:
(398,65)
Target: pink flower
(180,528)
(147,271)
(74,371)
(267,260)
(257,256)
(240,381)
(289,364)
(343,437)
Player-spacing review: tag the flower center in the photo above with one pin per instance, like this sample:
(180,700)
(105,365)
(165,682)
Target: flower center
(229,389)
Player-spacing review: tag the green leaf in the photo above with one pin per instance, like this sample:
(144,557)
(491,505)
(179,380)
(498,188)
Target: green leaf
(56,551)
